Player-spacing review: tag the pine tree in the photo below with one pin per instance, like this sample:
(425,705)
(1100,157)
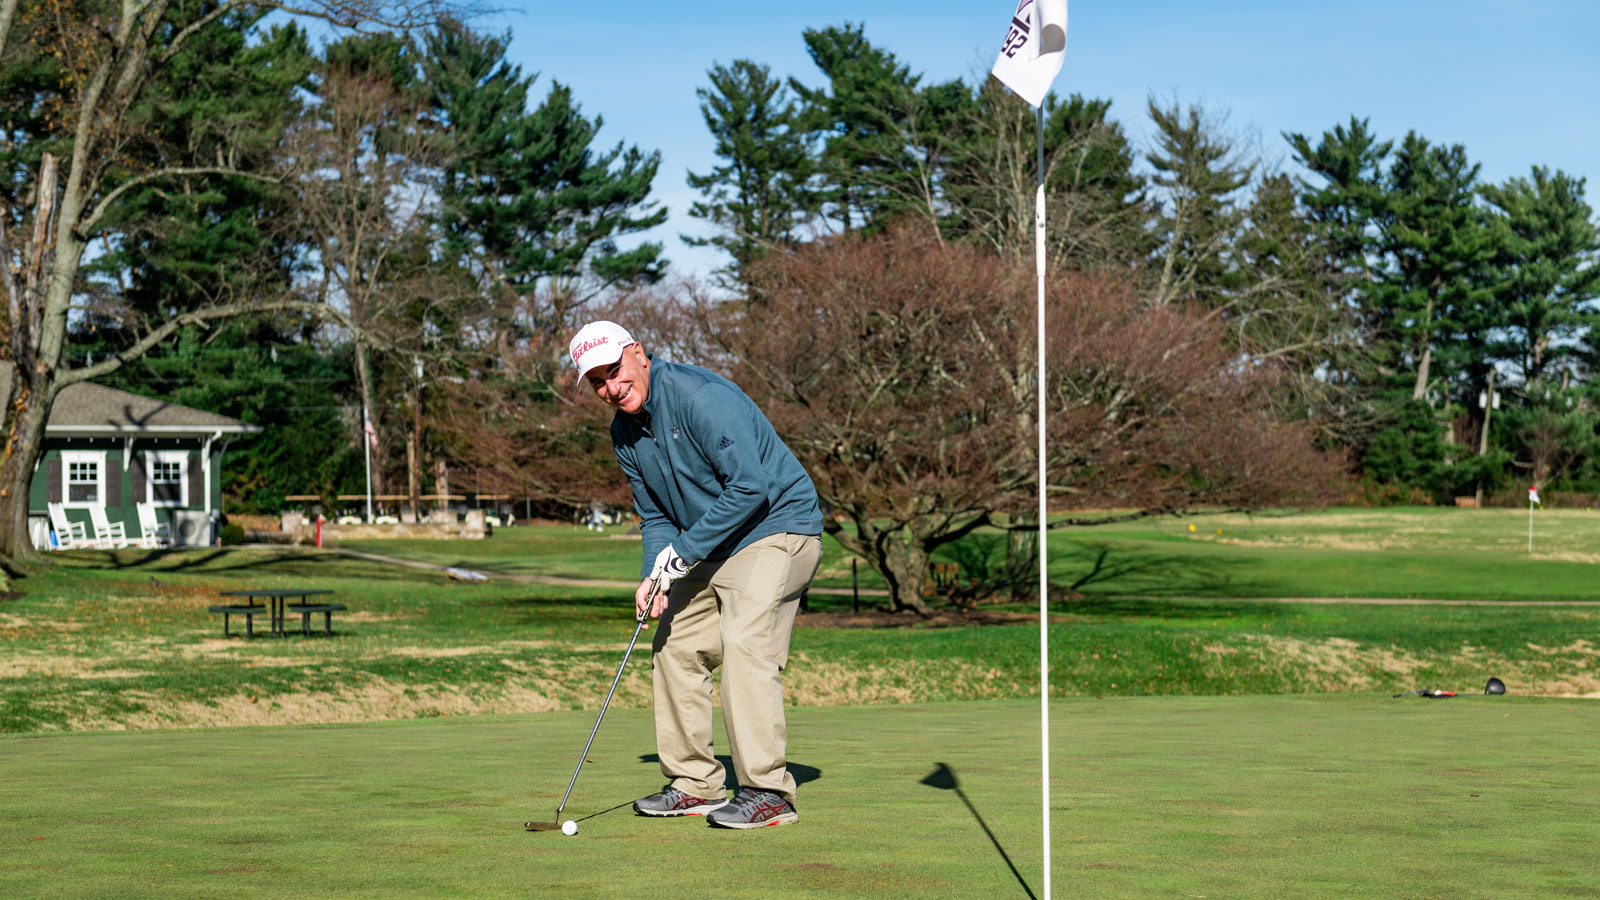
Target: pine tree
(1198,174)
(760,195)
(1100,213)
(1350,161)
(1548,263)
(861,118)
(1286,312)
(536,218)
(181,242)
(527,195)
(1413,248)
(259,370)
(1095,203)
(1433,244)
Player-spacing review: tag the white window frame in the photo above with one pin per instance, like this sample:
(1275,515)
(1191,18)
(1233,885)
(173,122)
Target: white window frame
(181,457)
(68,457)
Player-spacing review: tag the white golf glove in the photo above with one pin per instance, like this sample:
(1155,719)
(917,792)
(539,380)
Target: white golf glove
(669,567)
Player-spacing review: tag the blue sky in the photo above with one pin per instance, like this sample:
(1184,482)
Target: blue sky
(1517,83)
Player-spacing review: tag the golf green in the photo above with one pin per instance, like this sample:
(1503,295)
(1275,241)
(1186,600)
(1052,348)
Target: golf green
(1267,796)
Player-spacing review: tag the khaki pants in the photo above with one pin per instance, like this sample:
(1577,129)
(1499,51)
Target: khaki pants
(736,613)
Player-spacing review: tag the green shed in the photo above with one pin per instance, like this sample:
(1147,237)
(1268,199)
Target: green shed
(114,450)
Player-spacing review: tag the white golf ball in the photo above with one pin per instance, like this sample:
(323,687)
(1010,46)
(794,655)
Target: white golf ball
(569,827)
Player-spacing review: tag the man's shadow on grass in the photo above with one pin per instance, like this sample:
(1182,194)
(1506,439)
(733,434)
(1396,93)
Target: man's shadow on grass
(944,778)
(802,774)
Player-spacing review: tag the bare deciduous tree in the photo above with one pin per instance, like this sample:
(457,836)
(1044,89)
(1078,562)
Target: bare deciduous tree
(901,371)
(371,182)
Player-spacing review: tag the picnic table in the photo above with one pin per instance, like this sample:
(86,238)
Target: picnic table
(277,606)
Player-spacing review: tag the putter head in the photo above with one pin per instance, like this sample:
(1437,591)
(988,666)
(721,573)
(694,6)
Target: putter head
(545,826)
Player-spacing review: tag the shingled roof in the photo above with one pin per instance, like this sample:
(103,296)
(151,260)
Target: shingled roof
(85,408)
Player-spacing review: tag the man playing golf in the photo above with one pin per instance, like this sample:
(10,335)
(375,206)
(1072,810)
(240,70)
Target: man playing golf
(731,527)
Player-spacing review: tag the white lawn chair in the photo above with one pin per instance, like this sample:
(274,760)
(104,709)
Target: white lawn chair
(106,532)
(153,532)
(69,535)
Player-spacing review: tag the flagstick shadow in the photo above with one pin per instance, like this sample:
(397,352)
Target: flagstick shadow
(604,811)
(944,778)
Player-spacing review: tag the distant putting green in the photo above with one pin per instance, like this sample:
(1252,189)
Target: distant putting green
(1261,797)
(1419,552)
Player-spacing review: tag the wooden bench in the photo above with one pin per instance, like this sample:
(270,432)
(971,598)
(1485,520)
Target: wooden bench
(249,611)
(944,579)
(306,609)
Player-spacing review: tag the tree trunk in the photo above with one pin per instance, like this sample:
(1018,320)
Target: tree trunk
(1421,387)
(1420,390)
(896,555)
(38,313)
(413,493)
(24,423)
(904,565)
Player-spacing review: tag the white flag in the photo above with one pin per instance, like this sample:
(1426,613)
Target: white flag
(1533,495)
(1035,45)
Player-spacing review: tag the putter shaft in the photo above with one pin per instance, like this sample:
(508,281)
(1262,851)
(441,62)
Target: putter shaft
(644,616)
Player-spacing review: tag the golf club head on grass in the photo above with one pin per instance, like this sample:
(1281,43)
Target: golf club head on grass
(643,617)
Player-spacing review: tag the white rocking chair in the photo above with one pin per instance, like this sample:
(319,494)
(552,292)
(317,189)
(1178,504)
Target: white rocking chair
(107,533)
(69,535)
(153,533)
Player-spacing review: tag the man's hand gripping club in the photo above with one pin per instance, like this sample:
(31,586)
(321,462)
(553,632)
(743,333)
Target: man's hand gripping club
(669,567)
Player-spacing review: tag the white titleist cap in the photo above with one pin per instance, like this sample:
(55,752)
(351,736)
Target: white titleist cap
(598,344)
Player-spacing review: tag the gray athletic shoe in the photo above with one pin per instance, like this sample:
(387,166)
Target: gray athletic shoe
(673,802)
(754,809)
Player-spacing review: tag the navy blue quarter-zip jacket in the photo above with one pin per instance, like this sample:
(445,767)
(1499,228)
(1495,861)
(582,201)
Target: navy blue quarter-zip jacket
(709,474)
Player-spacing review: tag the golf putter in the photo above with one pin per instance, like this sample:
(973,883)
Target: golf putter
(655,588)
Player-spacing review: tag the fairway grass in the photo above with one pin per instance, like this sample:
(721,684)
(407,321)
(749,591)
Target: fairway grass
(1400,553)
(1242,797)
(124,640)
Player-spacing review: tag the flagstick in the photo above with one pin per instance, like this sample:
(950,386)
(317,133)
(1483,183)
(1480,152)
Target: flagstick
(1530,524)
(1030,58)
(1044,579)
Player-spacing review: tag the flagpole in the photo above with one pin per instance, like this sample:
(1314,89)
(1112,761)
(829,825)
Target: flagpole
(1530,524)
(1029,60)
(1044,577)
(366,445)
